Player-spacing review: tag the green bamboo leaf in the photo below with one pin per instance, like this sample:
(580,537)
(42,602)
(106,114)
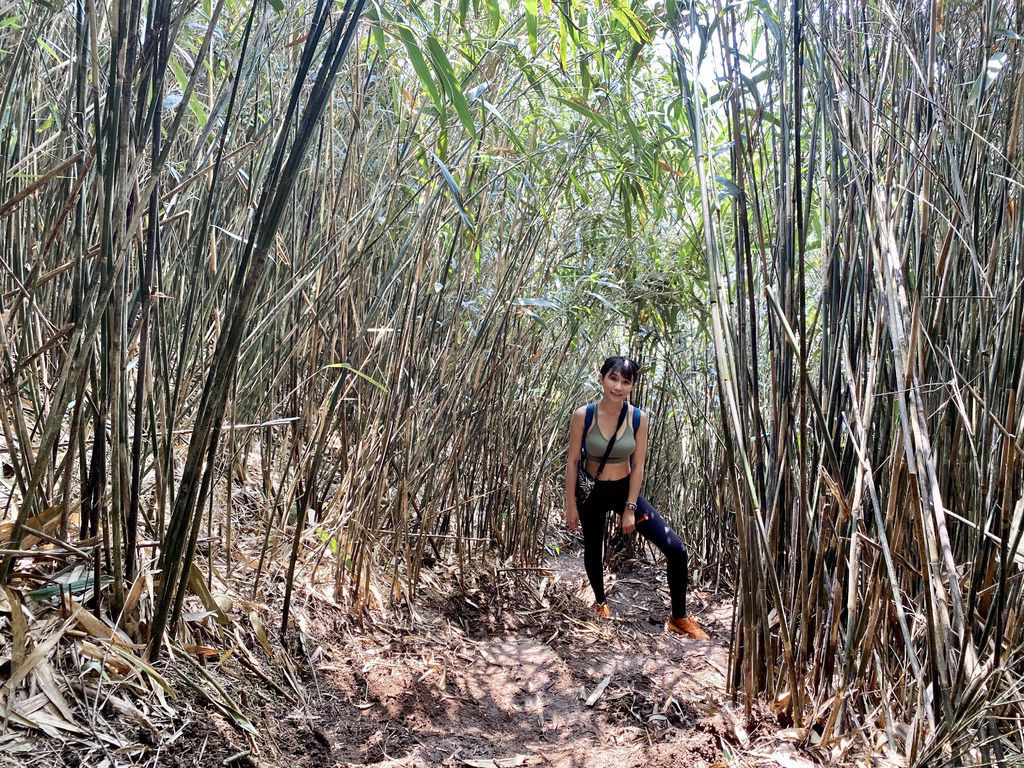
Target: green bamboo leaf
(751,86)
(419,64)
(614,309)
(587,112)
(450,83)
(454,188)
(626,16)
(45,44)
(768,16)
(634,132)
(179,73)
(194,104)
(580,189)
(360,374)
(533,80)
(729,188)
(627,210)
(563,42)
(71,588)
(373,16)
(198,109)
(634,53)
(327,539)
(707,34)
(530,301)
(378,39)
(530,6)
(988,76)
(495,10)
(510,132)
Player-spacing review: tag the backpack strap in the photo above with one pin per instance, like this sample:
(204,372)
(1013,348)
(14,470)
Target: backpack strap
(588,420)
(636,428)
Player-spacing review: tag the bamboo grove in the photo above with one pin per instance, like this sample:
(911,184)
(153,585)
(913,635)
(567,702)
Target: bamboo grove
(301,298)
(342,321)
(864,274)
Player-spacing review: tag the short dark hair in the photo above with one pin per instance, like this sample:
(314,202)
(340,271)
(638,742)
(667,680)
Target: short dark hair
(623,366)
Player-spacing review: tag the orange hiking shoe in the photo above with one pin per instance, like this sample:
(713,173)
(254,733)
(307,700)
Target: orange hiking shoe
(687,626)
(602,611)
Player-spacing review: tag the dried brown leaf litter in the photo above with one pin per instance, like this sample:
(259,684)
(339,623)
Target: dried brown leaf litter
(509,669)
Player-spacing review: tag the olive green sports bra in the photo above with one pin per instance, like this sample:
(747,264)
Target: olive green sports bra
(595,444)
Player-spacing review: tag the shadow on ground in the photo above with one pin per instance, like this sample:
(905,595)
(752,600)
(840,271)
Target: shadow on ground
(491,679)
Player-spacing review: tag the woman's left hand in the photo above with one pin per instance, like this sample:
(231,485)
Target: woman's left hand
(628,522)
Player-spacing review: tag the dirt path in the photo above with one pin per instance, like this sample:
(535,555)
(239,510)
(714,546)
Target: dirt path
(501,677)
(510,670)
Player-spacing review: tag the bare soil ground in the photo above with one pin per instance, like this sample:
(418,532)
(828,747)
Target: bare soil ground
(463,692)
(508,670)
(500,675)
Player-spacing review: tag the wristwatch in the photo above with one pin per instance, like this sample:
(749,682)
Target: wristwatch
(631,506)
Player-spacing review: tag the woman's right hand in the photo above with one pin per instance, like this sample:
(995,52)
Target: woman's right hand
(572,518)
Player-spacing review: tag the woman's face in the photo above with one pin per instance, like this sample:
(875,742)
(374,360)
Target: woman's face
(616,386)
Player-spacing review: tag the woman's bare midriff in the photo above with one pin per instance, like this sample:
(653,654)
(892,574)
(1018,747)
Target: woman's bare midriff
(611,471)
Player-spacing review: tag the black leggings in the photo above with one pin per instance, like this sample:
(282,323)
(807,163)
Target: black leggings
(611,495)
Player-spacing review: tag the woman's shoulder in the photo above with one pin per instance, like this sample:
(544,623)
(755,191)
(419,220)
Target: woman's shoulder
(581,412)
(576,421)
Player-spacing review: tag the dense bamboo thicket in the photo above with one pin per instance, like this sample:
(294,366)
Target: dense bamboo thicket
(865,268)
(332,291)
(330,278)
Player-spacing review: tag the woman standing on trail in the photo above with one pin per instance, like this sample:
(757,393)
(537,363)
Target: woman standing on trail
(614,471)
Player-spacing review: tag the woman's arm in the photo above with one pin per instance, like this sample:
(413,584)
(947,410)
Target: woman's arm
(636,474)
(572,515)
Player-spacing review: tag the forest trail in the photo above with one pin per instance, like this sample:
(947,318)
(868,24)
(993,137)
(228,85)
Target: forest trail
(506,674)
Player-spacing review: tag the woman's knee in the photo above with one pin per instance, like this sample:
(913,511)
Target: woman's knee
(679,552)
(673,547)
(660,532)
